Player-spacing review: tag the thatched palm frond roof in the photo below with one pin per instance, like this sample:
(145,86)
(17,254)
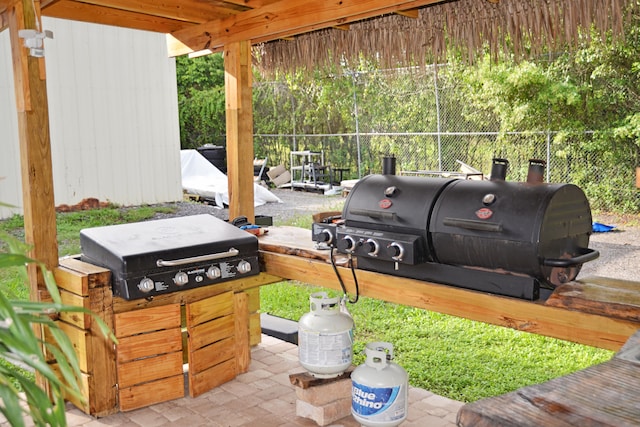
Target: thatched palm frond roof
(526,27)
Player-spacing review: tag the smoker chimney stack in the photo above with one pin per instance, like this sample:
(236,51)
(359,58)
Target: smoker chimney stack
(389,165)
(535,175)
(499,169)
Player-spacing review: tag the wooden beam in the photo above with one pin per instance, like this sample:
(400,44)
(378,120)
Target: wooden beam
(5,5)
(35,145)
(251,4)
(4,20)
(409,13)
(280,19)
(239,114)
(107,16)
(203,53)
(180,10)
(585,328)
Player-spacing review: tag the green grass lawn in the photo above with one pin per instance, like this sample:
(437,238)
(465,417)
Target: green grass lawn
(454,357)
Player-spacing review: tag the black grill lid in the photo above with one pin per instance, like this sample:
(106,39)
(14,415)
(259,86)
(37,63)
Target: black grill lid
(135,248)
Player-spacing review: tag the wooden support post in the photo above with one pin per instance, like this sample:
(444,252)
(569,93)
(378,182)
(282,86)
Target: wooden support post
(243,353)
(239,112)
(35,144)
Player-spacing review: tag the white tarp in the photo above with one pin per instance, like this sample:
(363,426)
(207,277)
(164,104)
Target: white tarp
(202,178)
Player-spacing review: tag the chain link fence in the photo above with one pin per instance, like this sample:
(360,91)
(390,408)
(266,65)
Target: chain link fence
(442,137)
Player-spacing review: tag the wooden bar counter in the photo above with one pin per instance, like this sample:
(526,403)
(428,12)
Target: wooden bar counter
(185,327)
(595,311)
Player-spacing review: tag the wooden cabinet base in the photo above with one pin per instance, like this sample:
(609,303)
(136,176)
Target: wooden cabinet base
(208,329)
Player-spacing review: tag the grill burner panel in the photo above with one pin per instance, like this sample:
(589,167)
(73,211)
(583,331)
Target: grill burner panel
(168,255)
(393,247)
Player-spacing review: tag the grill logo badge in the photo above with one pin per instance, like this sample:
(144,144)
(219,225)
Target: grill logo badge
(385,203)
(484,213)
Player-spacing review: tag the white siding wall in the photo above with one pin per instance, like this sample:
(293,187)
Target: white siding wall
(113,116)
(10,178)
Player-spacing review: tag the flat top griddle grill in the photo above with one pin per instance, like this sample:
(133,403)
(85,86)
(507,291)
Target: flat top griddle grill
(167,255)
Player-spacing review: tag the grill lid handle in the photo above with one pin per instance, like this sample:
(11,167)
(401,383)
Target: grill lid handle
(201,258)
(374,214)
(471,224)
(585,256)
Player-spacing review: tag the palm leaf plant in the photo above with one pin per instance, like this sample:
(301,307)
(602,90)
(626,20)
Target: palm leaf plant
(20,395)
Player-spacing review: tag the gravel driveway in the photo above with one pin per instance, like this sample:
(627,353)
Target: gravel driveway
(619,249)
(294,204)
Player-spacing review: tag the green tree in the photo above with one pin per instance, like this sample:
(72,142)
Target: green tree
(201,104)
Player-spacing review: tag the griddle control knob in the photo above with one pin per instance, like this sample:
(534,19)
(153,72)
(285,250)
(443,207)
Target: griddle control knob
(181,278)
(350,244)
(396,250)
(244,267)
(373,247)
(146,285)
(489,199)
(214,272)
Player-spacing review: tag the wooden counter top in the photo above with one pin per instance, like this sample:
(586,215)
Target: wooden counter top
(601,395)
(579,312)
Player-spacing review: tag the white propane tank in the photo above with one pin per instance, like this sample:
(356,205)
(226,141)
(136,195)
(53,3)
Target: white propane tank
(325,337)
(379,391)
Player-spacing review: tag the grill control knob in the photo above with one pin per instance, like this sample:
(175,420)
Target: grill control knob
(350,243)
(244,267)
(326,236)
(214,272)
(146,285)
(373,246)
(181,278)
(396,250)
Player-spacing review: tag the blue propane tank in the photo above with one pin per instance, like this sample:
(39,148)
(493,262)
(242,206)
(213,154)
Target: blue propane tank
(325,337)
(379,391)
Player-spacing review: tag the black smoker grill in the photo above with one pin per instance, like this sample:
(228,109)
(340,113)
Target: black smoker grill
(508,238)
(167,255)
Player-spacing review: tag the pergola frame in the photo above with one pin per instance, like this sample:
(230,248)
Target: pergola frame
(231,26)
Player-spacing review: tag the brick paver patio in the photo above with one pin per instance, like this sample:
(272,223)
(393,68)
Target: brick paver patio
(262,397)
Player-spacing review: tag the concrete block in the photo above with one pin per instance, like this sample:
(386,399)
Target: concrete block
(325,414)
(325,393)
